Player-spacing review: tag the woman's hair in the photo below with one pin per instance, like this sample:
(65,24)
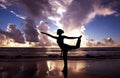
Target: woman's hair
(60,31)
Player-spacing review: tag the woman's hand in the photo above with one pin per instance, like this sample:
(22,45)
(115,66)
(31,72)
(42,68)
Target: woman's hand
(43,32)
(49,35)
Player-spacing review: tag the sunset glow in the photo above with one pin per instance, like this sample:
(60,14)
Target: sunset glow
(77,67)
(22,24)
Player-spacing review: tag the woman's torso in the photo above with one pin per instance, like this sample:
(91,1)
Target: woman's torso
(60,41)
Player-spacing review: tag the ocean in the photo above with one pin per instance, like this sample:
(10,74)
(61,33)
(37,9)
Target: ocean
(54,53)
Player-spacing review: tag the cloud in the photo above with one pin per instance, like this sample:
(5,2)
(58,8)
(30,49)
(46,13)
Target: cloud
(3,1)
(3,6)
(30,31)
(77,13)
(13,33)
(6,2)
(81,12)
(43,39)
(2,39)
(103,10)
(108,42)
(35,8)
(17,15)
(32,9)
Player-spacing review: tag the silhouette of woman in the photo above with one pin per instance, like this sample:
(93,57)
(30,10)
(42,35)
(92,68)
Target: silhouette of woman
(64,47)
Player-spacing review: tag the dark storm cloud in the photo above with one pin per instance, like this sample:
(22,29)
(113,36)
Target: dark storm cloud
(30,31)
(13,33)
(35,8)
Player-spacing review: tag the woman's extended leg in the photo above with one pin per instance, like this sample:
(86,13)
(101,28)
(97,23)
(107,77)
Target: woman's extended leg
(65,59)
(77,44)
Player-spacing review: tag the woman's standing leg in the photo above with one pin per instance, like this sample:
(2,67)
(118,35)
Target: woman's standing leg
(65,59)
(61,53)
(77,44)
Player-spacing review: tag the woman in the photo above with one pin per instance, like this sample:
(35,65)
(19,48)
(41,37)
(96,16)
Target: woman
(64,47)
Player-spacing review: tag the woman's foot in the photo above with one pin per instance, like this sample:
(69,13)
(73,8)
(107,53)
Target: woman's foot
(80,36)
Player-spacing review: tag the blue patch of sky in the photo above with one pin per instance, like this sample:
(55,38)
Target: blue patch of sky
(17,10)
(52,25)
(7,17)
(104,26)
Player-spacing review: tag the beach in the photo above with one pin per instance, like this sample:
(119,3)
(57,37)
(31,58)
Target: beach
(46,63)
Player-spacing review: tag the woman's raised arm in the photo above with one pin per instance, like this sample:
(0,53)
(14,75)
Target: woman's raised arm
(49,35)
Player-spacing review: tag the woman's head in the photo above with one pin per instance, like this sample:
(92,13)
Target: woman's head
(60,31)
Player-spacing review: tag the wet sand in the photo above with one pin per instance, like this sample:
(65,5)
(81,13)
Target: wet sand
(99,68)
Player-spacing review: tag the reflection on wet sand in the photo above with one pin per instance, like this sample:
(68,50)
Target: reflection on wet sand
(109,68)
(23,69)
(41,69)
(75,66)
(55,67)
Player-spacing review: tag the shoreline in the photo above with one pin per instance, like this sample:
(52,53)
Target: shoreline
(40,58)
(58,49)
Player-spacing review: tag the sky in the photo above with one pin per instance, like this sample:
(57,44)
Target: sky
(21,22)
